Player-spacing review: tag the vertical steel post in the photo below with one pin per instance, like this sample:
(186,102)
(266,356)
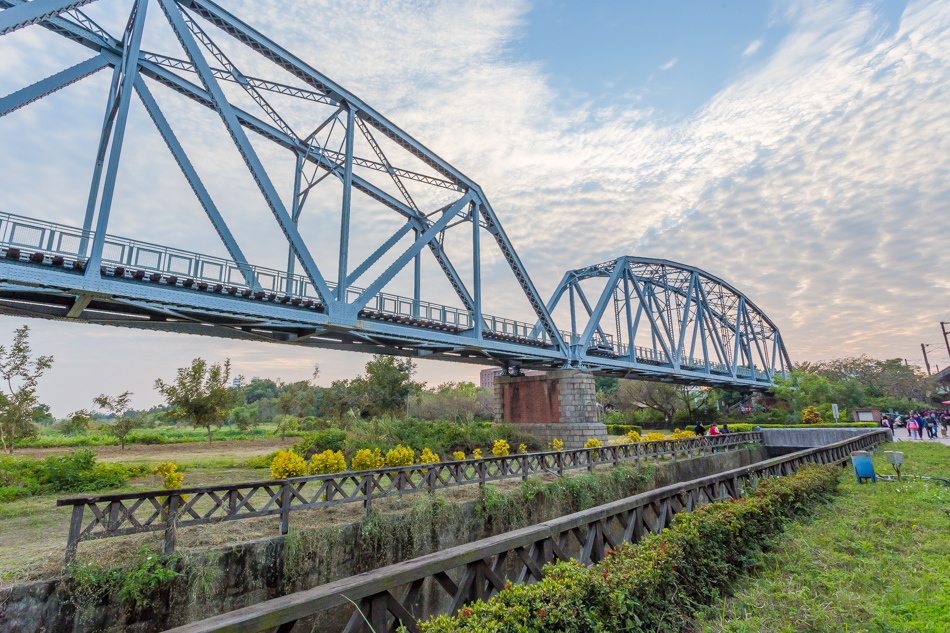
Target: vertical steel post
(130,70)
(416,281)
(294,217)
(477,270)
(347,194)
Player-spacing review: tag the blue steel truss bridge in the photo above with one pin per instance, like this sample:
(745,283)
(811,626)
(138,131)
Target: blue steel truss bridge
(638,317)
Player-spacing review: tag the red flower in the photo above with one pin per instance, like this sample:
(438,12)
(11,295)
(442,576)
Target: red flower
(542,613)
(466,612)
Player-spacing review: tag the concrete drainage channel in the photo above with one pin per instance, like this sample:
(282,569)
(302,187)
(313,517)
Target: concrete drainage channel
(257,571)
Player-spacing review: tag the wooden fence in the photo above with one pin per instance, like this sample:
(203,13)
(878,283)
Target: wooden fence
(106,516)
(390,597)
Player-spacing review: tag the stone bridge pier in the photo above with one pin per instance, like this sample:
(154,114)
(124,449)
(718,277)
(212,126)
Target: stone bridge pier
(559,404)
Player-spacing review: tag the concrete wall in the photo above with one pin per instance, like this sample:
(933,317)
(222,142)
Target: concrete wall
(811,438)
(259,570)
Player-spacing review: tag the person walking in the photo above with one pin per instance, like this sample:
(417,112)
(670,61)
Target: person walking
(912,428)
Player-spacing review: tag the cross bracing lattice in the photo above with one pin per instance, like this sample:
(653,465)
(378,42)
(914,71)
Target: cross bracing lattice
(671,322)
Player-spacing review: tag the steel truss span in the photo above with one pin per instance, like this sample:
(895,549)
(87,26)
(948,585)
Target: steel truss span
(85,272)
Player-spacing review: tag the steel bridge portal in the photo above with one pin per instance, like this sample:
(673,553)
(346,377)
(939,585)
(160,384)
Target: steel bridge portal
(653,319)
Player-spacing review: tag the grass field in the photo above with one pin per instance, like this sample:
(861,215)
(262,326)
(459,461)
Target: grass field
(875,560)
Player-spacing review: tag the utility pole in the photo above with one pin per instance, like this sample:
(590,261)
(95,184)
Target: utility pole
(945,339)
(923,348)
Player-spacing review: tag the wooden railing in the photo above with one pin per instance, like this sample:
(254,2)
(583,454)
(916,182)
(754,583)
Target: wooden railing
(390,597)
(106,516)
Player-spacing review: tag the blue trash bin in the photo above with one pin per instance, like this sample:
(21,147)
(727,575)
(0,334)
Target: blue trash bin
(863,466)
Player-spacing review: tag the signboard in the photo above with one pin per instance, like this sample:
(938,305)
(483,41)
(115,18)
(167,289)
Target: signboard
(834,410)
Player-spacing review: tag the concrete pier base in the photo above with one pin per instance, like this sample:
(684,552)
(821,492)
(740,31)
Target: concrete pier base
(559,404)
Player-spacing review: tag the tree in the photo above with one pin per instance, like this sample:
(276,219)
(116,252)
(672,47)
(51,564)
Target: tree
(259,389)
(200,393)
(76,422)
(386,385)
(659,396)
(244,417)
(20,373)
(118,407)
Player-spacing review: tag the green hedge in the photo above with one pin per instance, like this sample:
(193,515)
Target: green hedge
(745,428)
(75,471)
(623,429)
(655,584)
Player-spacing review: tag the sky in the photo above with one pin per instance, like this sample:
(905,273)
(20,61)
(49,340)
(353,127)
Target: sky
(797,149)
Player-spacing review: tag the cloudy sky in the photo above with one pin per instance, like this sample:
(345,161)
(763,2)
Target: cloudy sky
(798,149)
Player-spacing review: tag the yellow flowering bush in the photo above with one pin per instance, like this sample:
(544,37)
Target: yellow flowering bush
(810,415)
(653,437)
(680,435)
(287,464)
(633,436)
(523,449)
(366,459)
(477,453)
(428,457)
(458,456)
(327,462)
(400,456)
(171,477)
(593,443)
(500,449)
(556,445)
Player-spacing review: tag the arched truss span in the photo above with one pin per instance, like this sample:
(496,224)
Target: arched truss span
(656,313)
(84,272)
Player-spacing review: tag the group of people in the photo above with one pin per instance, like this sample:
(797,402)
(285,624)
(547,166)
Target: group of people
(714,429)
(917,423)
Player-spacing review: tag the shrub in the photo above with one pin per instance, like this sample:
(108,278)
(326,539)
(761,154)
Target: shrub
(633,436)
(523,449)
(810,415)
(367,460)
(458,456)
(326,463)
(746,428)
(653,437)
(171,477)
(287,464)
(319,441)
(654,585)
(477,453)
(262,461)
(78,471)
(593,443)
(623,429)
(146,437)
(556,445)
(12,493)
(500,449)
(400,456)
(428,457)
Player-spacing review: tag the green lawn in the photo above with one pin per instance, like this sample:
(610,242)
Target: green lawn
(877,559)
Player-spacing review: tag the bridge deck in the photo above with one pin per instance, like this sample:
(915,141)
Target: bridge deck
(153,287)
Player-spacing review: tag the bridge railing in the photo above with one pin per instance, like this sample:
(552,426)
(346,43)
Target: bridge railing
(393,596)
(112,515)
(38,236)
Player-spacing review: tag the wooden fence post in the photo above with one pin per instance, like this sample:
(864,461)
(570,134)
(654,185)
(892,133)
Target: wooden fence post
(75,529)
(368,484)
(171,524)
(285,508)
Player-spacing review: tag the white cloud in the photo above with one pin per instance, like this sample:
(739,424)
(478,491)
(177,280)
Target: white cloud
(668,64)
(751,49)
(816,182)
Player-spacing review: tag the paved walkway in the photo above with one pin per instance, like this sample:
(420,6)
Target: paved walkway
(900,435)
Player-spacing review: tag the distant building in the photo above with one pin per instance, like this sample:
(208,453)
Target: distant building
(487,376)
(236,383)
